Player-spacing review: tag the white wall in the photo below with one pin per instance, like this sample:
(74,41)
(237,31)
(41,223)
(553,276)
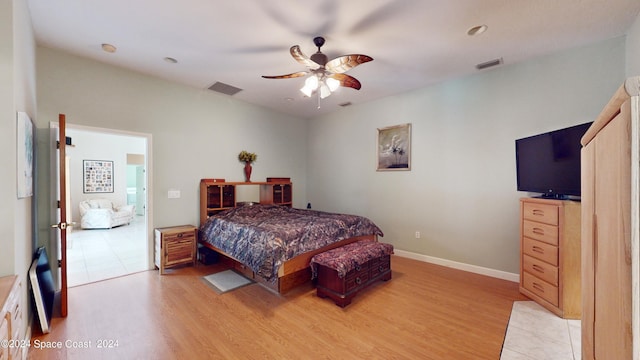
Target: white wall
(461,190)
(17,93)
(196,133)
(92,145)
(633,49)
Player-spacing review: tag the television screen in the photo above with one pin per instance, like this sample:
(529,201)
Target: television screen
(549,163)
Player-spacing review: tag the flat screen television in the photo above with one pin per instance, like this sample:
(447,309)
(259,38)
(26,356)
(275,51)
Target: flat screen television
(549,163)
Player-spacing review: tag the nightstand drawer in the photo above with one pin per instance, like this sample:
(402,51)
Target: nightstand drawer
(544,213)
(540,250)
(541,269)
(181,236)
(540,231)
(541,288)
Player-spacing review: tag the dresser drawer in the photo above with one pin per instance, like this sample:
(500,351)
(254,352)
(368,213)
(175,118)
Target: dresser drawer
(544,213)
(540,231)
(540,269)
(540,250)
(540,288)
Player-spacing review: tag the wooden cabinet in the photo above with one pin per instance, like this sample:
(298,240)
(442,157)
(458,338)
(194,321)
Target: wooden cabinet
(550,254)
(610,211)
(278,193)
(11,318)
(217,195)
(175,245)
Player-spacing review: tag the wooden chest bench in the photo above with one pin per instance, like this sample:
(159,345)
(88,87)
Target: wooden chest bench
(343,272)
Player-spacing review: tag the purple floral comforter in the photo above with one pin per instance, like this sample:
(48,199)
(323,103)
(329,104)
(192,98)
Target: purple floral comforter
(264,236)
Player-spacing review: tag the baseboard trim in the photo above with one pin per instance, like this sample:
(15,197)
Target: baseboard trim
(460,266)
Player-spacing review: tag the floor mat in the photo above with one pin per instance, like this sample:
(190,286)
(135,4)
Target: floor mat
(226,281)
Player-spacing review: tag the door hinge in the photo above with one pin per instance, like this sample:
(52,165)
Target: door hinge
(57,144)
(58,204)
(59,263)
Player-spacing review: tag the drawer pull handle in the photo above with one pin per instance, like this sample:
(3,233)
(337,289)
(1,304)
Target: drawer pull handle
(538,249)
(538,212)
(538,287)
(180,235)
(538,231)
(381,268)
(358,268)
(358,280)
(538,268)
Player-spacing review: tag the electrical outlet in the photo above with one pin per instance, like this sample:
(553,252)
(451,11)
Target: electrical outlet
(417,234)
(173,194)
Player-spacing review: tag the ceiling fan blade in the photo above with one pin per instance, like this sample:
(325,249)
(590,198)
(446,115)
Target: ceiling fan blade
(344,63)
(302,58)
(347,81)
(287,76)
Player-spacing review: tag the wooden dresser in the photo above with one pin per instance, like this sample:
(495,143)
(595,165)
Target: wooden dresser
(550,254)
(611,240)
(175,245)
(11,319)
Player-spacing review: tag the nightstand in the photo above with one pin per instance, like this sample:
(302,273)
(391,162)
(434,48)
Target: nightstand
(175,245)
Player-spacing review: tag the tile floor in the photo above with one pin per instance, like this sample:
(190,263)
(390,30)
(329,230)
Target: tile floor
(99,254)
(535,333)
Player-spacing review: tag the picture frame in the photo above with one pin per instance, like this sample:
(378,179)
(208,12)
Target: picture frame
(25,150)
(97,176)
(394,148)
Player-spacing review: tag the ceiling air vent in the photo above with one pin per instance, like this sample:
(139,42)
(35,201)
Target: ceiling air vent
(489,64)
(224,88)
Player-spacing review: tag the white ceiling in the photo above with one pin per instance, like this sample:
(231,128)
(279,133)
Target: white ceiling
(414,43)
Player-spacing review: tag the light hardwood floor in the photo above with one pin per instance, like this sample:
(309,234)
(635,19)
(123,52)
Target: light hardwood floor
(425,312)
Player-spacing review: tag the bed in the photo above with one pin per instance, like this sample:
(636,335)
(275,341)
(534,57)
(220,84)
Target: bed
(274,244)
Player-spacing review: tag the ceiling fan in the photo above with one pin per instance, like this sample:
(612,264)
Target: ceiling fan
(325,76)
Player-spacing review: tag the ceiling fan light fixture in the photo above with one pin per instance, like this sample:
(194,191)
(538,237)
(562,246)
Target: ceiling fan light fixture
(306,91)
(324,91)
(333,84)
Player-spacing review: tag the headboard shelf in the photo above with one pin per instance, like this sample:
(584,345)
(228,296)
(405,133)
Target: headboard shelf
(217,195)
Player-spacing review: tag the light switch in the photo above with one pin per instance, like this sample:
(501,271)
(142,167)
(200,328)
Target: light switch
(173,194)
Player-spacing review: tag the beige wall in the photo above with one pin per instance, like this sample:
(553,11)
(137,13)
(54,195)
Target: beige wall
(633,49)
(196,133)
(17,93)
(461,191)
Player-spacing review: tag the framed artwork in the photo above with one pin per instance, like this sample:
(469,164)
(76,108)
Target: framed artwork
(24,130)
(394,148)
(97,176)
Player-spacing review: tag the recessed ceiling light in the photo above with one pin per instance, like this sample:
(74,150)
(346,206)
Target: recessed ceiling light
(477,30)
(170,60)
(108,48)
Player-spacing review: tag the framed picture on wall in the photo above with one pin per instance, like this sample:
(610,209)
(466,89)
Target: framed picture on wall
(97,176)
(394,148)
(24,164)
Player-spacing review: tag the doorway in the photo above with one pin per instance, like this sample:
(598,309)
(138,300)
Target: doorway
(103,251)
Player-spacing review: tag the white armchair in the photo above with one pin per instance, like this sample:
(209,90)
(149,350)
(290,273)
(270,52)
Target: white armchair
(103,214)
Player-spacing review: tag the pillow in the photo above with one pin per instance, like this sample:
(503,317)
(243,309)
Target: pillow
(100,204)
